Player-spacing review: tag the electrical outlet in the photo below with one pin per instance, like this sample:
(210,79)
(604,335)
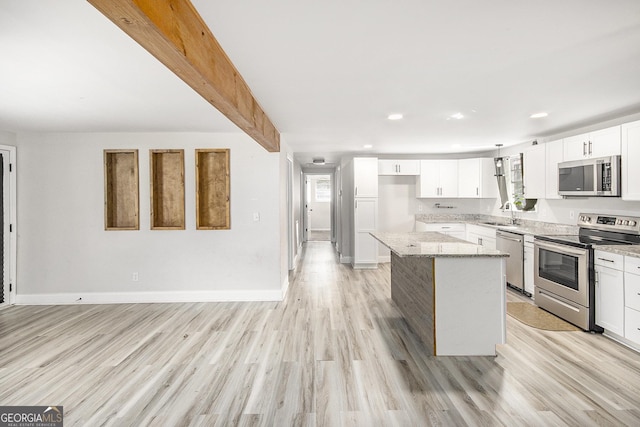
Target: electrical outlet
(134,276)
(419,207)
(572,214)
(256,216)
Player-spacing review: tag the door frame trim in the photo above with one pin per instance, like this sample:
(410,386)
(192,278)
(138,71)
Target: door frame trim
(13,220)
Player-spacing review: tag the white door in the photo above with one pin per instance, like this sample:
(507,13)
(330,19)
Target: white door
(7,287)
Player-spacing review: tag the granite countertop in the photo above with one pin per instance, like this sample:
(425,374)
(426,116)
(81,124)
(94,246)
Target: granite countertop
(628,250)
(432,245)
(535,228)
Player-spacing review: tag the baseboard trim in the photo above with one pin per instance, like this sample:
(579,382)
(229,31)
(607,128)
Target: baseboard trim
(384,259)
(345,259)
(365,266)
(150,297)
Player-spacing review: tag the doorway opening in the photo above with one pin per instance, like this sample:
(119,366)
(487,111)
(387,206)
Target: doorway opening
(318,207)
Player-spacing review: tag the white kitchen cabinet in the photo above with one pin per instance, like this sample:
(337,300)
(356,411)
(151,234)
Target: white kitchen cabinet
(453,229)
(483,236)
(632,299)
(365,253)
(609,291)
(534,172)
(365,176)
(398,167)
(365,212)
(529,287)
(630,158)
(554,154)
(438,178)
(604,142)
(476,178)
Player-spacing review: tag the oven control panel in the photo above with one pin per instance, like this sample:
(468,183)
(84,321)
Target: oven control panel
(627,224)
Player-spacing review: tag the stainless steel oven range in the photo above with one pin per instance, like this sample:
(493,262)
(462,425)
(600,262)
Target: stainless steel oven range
(564,277)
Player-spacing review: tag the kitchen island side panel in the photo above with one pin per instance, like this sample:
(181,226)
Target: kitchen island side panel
(412,289)
(470,300)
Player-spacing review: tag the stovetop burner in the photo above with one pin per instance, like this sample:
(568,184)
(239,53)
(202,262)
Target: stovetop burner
(598,230)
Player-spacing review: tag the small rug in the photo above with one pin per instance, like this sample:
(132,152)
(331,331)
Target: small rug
(533,316)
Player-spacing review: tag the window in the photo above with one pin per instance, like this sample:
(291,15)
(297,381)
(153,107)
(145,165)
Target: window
(323,190)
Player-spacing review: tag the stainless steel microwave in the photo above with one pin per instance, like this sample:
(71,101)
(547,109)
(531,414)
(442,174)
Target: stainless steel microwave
(590,177)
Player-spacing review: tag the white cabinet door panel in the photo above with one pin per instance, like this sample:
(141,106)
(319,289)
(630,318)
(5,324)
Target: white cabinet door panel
(610,299)
(365,176)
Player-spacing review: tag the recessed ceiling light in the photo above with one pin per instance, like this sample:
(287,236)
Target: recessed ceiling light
(367,146)
(456,146)
(394,116)
(457,116)
(539,115)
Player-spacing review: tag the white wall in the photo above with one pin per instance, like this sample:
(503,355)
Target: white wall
(65,254)
(7,138)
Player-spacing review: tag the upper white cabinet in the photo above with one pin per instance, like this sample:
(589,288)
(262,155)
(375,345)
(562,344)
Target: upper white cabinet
(438,178)
(604,142)
(630,159)
(534,172)
(476,178)
(554,154)
(398,167)
(365,177)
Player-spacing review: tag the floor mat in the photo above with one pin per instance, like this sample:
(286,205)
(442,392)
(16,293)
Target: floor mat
(533,316)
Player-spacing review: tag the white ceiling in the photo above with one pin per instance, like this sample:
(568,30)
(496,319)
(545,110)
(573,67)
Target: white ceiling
(329,72)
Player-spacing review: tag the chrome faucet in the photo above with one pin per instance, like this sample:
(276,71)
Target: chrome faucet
(514,220)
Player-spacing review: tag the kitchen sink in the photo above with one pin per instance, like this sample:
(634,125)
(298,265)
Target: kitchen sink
(499,224)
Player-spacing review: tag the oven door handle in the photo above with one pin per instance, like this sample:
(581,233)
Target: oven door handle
(560,248)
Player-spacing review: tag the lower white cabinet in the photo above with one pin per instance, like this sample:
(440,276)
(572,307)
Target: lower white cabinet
(454,229)
(365,248)
(632,299)
(483,236)
(632,325)
(609,291)
(528,265)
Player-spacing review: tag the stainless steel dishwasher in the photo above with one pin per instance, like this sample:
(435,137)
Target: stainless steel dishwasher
(513,244)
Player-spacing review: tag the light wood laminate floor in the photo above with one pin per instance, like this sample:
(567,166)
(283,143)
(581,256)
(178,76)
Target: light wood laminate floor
(335,352)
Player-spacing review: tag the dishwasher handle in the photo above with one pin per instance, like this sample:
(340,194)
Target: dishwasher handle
(508,237)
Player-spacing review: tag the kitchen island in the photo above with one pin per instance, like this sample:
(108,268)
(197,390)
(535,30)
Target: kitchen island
(452,293)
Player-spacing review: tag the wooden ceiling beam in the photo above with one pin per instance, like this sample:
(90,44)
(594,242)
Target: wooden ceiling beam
(174,32)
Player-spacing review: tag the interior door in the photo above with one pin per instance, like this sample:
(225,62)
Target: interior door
(4,292)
